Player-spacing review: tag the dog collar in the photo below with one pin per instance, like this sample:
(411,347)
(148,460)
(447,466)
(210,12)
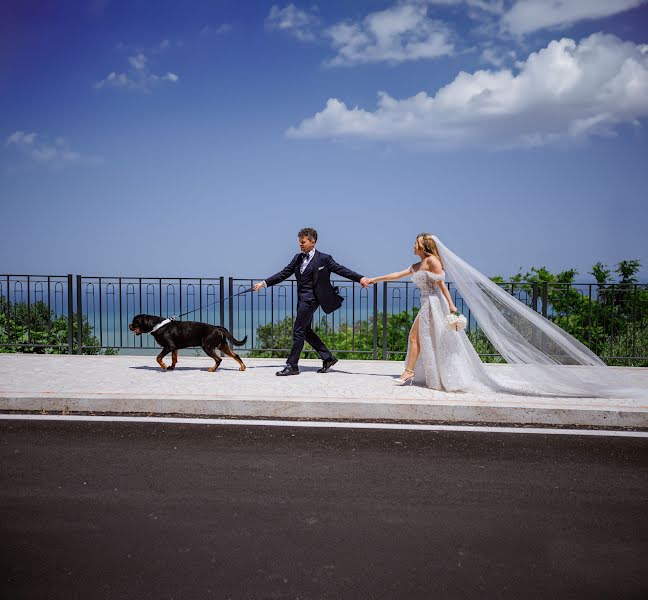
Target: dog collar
(159,325)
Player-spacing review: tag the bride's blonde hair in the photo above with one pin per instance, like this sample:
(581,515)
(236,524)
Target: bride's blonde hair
(425,242)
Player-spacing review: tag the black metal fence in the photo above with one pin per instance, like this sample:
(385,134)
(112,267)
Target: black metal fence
(108,305)
(84,314)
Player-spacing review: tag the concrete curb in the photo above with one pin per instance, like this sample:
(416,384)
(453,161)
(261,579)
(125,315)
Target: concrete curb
(299,408)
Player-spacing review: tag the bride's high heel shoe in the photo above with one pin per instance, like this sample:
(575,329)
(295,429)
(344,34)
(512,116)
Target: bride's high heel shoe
(408,380)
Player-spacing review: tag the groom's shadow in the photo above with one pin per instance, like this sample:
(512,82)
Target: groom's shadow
(365,374)
(314,369)
(235,368)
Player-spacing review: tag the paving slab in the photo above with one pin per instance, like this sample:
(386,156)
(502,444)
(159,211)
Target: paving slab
(354,390)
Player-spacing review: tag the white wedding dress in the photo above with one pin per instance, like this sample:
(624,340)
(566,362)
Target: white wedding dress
(447,360)
(543,359)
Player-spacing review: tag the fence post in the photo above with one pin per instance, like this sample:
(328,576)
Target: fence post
(79,307)
(70,316)
(534,296)
(544,299)
(384,321)
(375,321)
(231,305)
(8,310)
(28,311)
(222,301)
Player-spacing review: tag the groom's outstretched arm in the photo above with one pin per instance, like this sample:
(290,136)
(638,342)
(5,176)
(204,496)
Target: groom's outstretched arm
(343,271)
(286,272)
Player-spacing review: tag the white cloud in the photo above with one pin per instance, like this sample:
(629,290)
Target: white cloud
(491,6)
(409,30)
(567,91)
(526,16)
(138,61)
(42,151)
(498,56)
(222,29)
(139,77)
(155,49)
(400,33)
(20,138)
(293,20)
(495,7)
(163,47)
(114,79)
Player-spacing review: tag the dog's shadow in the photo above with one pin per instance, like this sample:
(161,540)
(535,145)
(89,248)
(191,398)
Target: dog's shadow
(221,368)
(147,368)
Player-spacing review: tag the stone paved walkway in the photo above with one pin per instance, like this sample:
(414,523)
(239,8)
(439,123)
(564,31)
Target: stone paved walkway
(355,389)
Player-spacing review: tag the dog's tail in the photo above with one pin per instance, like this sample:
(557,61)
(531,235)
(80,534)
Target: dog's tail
(234,341)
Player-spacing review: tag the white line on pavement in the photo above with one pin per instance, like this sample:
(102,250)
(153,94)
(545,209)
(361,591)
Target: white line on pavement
(325,424)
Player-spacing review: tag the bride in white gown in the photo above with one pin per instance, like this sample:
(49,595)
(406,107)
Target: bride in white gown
(542,358)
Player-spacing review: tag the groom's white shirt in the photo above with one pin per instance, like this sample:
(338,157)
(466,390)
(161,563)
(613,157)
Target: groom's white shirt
(306,260)
(304,264)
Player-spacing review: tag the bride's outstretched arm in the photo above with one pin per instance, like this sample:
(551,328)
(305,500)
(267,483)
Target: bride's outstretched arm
(446,294)
(390,277)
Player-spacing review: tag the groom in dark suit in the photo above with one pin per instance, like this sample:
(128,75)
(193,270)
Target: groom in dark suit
(312,269)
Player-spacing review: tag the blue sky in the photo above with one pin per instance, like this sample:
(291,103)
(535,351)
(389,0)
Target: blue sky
(195,138)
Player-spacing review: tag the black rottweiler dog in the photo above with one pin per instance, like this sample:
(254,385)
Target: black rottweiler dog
(174,335)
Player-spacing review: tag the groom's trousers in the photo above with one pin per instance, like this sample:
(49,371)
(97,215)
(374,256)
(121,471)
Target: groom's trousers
(302,331)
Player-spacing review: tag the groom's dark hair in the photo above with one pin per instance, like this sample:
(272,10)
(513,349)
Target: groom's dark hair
(308,232)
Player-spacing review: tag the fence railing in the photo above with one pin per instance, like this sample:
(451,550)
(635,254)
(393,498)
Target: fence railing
(108,305)
(84,314)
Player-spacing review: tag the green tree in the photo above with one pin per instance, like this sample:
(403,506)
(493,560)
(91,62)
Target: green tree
(612,323)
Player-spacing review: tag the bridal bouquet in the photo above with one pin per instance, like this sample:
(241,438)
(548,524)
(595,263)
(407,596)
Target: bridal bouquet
(455,321)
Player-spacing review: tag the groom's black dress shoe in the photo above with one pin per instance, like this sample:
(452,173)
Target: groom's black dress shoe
(327,364)
(288,370)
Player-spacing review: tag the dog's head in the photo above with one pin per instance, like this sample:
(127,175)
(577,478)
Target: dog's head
(143,324)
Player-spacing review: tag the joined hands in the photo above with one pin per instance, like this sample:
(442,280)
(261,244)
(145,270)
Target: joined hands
(364,282)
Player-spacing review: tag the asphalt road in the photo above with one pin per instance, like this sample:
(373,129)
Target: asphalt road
(105,510)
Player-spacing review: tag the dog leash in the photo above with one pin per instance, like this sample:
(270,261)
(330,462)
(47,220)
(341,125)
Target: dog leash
(175,317)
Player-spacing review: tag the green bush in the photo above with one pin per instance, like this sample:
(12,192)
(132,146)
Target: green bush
(37,325)
(347,337)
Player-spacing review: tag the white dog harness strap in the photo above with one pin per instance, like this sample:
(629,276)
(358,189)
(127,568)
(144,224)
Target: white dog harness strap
(160,325)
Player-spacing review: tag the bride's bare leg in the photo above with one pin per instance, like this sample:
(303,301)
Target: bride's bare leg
(414,350)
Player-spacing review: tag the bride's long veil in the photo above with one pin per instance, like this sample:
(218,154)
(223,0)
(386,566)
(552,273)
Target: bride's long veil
(543,358)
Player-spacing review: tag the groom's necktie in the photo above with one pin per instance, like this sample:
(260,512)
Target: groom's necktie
(305,261)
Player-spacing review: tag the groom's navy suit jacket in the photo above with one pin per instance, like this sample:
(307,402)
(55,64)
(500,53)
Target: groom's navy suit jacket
(315,282)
